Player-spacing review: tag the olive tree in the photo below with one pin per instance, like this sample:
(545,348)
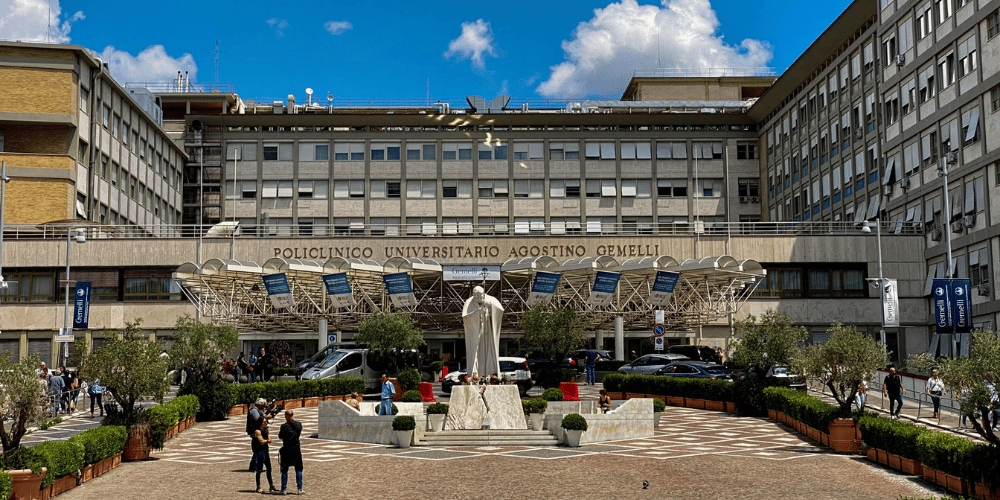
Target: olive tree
(556,331)
(130,367)
(198,347)
(842,362)
(389,336)
(969,378)
(22,398)
(761,344)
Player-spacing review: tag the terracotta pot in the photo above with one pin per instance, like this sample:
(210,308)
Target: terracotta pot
(62,484)
(26,484)
(87,473)
(715,405)
(137,447)
(910,466)
(928,473)
(675,401)
(694,403)
(893,461)
(842,434)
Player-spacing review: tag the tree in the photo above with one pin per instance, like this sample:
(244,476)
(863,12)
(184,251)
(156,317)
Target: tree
(199,347)
(842,362)
(389,337)
(973,372)
(130,367)
(22,398)
(764,344)
(556,332)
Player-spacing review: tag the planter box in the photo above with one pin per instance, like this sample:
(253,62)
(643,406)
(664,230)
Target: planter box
(617,396)
(910,466)
(928,473)
(291,404)
(941,478)
(982,491)
(62,484)
(813,434)
(236,411)
(894,461)
(116,461)
(675,401)
(824,438)
(955,484)
(311,401)
(772,415)
(87,473)
(715,405)
(872,454)
(843,432)
(632,395)
(731,407)
(781,417)
(694,403)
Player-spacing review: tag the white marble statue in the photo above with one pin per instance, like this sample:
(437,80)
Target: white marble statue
(482,315)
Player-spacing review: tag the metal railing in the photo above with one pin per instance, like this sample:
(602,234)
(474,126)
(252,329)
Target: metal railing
(183,87)
(229,229)
(702,72)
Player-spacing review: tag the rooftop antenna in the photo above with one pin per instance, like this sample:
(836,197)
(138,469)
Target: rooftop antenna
(658,63)
(309,96)
(428,91)
(216,59)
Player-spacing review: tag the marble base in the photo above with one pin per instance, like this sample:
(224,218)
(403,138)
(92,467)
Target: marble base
(632,419)
(499,405)
(338,421)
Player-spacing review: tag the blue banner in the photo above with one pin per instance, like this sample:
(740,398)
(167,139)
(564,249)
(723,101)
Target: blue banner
(400,289)
(961,305)
(663,288)
(605,284)
(278,290)
(942,307)
(81,305)
(339,289)
(543,288)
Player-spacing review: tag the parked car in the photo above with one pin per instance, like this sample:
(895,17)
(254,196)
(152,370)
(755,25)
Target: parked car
(580,356)
(312,361)
(696,353)
(648,364)
(696,369)
(537,360)
(515,368)
(795,381)
(355,363)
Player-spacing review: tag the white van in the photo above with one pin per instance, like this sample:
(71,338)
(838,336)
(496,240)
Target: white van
(350,363)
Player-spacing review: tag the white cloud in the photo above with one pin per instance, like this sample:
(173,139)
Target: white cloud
(35,21)
(151,65)
(338,27)
(622,37)
(279,25)
(475,41)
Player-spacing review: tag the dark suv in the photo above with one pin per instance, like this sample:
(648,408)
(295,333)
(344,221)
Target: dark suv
(696,353)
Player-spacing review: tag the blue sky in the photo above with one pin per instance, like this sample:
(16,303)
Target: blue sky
(394,49)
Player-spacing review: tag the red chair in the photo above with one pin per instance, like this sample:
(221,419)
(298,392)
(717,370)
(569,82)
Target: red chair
(570,390)
(444,373)
(427,392)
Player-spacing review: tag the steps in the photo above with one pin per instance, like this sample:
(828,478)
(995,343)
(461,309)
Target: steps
(489,438)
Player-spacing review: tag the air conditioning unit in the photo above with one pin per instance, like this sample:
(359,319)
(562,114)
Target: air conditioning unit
(900,59)
(860,134)
(983,290)
(887,190)
(951,157)
(755,199)
(936,234)
(969,221)
(744,199)
(904,183)
(958,226)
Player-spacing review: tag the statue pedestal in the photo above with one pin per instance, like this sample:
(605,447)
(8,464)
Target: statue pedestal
(498,404)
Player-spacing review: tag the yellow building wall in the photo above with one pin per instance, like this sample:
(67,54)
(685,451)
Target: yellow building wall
(36,90)
(34,200)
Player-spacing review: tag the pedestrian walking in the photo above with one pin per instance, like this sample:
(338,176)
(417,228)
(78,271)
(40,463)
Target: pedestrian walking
(72,388)
(96,392)
(291,450)
(892,387)
(934,389)
(56,388)
(388,391)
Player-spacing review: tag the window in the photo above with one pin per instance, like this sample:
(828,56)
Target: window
(349,189)
(30,286)
(525,188)
(671,188)
(492,225)
(385,226)
(385,189)
(353,151)
(707,150)
(564,188)
(889,50)
(995,99)
(421,151)
(105,117)
(943,10)
(892,108)
(105,167)
(905,35)
(636,151)
(277,151)
(927,87)
(671,150)
(908,92)
(748,187)
(426,188)
(563,151)
(533,150)
(456,151)
(114,174)
(351,226)
(116,130)
(564,225)
(601,188)
(456,188)
(243,151)
(970,126)
(456,225)
(495,151)
(979,266)
(993,25)
(636,188)
(384,152)
(924,20)
(967,56)
(313,189)
(947,65)
(493,188)
(150,285)
(529,225)
(710,188)
(314,152)
(600,151)
(845,282)
(746,150)
(929,149)
(276,189)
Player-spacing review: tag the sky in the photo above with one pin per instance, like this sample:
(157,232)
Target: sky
(411,51)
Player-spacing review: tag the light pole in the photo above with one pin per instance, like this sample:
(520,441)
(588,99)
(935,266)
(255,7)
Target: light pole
(3,196)
(879,282)
(67,329)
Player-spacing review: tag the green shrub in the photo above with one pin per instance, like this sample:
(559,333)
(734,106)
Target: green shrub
(613,382)
(6,486)
(23,457)
(952,454)
(436,366)
(659,405)
(215,398)
(161,417)
(101,442)
(525,407)
(893,436)
(408,378)
(404,423)
(552,394)
(574,422)
(537,405)
(189,406)
(61,457)
(438,409)
(282,371)
(412,397)
(803,407)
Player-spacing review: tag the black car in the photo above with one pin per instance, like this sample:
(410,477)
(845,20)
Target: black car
(650,363)
(580,356)
(538,361)
(696,353)
(696,369)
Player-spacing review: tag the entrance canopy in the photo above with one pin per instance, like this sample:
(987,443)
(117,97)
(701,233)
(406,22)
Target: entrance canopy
(346,291)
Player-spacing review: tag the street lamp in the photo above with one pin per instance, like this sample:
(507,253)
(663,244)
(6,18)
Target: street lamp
(879,282)
(67,329)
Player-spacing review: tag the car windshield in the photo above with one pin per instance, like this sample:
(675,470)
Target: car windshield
(332,359)
(510,366)
(780,370)
(716,370)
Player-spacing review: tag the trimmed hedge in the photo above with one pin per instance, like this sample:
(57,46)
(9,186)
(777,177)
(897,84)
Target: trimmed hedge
(951,454)
(246,394)
(713,390)
(552,394)
(162,417)
(61,457)
(803,407)
(412,397)
(613,382)
(101,442)
(6,486)
(893,436)
(215,398)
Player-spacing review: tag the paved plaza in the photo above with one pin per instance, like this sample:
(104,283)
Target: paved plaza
(694,454)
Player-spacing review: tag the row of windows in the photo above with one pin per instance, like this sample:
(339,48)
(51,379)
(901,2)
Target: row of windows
(495,150)
(487,188)
(106,286)
(845,281)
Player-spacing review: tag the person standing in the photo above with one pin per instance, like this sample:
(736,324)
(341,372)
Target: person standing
(591,361)
(241,368)
(935,387)
(56,388)
(388,391)
(963,395)
(262,457)
(261,366)
(96,392)
(291,450)
(254,416)
(251,363)
(71,387)
(862,395)
(892,386)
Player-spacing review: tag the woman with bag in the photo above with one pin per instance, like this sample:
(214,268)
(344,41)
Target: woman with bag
(96,392)
(935,388)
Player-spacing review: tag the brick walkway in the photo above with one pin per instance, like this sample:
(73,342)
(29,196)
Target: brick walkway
(694,454)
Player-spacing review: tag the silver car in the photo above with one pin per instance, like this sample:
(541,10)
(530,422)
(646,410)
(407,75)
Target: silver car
(650,363)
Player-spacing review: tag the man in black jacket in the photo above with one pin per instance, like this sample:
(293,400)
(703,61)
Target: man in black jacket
(892,387)
(291,450)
